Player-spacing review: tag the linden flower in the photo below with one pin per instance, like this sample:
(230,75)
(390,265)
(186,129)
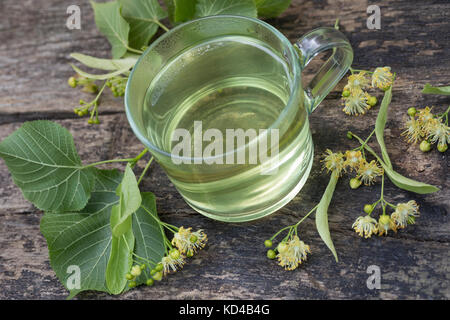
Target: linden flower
(294,254)
(437,131)
(187,241)
(356,103)
(357,82)
(425,115)
(172,265)
(368,171)
(405,213)
(382,78)
(333,161)
(352,159)
(414,131)
(386,223)
(365,225)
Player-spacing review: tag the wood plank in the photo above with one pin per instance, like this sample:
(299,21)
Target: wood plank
(414,263)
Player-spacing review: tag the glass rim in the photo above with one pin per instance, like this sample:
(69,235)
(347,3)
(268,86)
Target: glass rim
(294,64)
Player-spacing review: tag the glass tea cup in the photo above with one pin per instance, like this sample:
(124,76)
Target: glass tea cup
(219,103)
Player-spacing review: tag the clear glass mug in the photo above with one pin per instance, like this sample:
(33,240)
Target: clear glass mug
(222,73)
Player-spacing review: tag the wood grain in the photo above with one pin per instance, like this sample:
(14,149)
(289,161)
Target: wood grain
(415,263)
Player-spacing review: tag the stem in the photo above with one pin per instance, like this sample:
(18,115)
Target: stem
(116,160)
(306,216)
(359,70)
(145,170)
(159,23)
(134,50)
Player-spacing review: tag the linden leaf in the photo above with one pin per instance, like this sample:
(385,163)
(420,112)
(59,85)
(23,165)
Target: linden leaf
(143,17)
(129,201)
(322,214)
(85,239)
(44,163)
(214,7)
(112,25)
(429,89)
(381,123)
(106,64)
(181,10)
(271,8)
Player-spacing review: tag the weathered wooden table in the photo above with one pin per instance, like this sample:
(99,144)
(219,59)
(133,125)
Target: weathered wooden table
(415,263)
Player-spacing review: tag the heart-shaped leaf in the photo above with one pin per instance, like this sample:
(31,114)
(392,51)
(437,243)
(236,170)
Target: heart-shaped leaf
(214,7)
(271,8)
(45,165)
(143,17)
(112,25)
(85,239)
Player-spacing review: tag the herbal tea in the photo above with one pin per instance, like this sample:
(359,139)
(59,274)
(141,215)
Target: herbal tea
(227,83)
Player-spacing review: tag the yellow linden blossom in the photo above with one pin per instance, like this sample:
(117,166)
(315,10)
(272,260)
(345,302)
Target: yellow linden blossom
(365,226)
(294,253)
(333,161)
(352,159)
(357,82)
(414,131)
(382,78)
(385,223)
(187,241)
(356,103)
(368,171)
(425,115)
(172,265)
(405,213)
(437,131)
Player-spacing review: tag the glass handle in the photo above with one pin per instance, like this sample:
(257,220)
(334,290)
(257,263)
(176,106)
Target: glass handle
(334,68)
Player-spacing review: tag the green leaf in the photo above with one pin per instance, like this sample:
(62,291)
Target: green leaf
(214,7)
(84,239)
(45,165)
(181,10)
(99,76)
(106,64)
(148,233)
(130,201)
(381,123)
(428,89)
(408,184)
(143,17)
(112,25)
(322,214)
(120,261)
(271,8)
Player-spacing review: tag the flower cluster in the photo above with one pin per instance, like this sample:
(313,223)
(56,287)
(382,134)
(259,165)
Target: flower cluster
(422,125)
(404,214)
(117,84)
(184,244)
(353,160)
(290,252)
(356,100)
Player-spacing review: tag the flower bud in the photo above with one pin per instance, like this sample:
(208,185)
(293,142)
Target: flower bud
(412,111)
(150,282)
(368,208)
(159,267)
(136,271)
(425,146)
(158,276)
(271,254)
(355,183)
(72,81)
(174,254)
(372,101)
(132,284)
(282,247)
(268,243)
(346,93)
(442,147)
